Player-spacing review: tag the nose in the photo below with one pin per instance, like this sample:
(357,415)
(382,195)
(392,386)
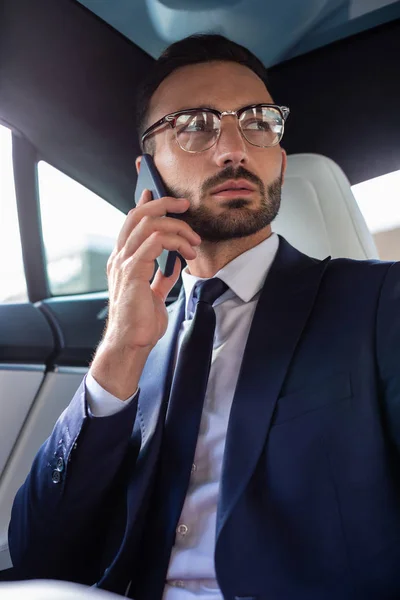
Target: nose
(230,149)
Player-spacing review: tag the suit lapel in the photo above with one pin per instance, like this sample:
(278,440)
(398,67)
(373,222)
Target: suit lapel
(284,306)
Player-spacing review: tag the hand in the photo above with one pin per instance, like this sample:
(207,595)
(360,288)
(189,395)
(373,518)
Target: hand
(137,312)
(137,316)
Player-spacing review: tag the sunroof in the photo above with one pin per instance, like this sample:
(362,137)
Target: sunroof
(290,29)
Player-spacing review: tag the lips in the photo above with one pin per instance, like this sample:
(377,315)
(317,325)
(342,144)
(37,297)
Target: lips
(233,185)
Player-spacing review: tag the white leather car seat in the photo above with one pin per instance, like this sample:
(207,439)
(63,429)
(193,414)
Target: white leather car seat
(319,216)
(40,589)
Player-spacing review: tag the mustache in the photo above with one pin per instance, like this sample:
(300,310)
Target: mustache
(231,173)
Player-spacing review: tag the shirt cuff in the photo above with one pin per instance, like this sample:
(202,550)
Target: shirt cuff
(100,402)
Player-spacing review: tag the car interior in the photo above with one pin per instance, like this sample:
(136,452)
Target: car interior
(68,74)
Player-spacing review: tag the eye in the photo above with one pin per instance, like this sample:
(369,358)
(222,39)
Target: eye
(195,123)
(257,125)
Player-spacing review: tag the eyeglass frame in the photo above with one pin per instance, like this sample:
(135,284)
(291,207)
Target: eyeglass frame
(171,119)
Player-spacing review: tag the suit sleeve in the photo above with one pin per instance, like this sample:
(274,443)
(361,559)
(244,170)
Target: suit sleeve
(388,351)
(60,514)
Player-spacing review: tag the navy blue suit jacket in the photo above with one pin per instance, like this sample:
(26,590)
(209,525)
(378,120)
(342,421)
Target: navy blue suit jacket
(310,493)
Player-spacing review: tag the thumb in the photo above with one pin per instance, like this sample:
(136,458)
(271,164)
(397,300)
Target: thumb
(162,285)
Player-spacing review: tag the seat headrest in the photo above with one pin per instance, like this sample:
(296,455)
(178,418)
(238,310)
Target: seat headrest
(319,214)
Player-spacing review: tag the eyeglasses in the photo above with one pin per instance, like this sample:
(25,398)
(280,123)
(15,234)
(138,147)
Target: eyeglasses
(198,129)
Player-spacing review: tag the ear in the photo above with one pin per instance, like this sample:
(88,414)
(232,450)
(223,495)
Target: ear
(284,164)
(137,163)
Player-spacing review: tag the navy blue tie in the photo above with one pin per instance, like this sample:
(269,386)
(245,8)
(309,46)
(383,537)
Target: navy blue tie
(179,443)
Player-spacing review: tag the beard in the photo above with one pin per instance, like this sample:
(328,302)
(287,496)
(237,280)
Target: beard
(238,220)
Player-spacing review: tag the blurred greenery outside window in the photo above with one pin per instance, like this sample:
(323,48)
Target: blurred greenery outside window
(79,232)
(12,276)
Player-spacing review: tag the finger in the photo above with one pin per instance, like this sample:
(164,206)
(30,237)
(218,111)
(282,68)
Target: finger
(130,219)
(167,226)
(161,206)
(146,196)
(153,246)
(155,208)
(162,285)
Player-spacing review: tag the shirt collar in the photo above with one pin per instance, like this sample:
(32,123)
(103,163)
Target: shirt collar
(245,275)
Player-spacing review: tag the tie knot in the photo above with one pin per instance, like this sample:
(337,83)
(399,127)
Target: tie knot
(209,290)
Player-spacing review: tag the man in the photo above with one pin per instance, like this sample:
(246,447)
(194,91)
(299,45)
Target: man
(294,488)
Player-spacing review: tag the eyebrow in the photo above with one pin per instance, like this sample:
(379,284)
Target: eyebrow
(213,107)
(200,106)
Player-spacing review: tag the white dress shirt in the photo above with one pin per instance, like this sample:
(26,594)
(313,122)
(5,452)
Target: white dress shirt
(191,572)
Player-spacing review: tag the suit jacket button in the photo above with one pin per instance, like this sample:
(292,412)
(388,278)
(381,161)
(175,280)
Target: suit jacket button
(56,477)
(60,464)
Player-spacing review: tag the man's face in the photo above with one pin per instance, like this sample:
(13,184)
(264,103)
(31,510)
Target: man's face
(227,215)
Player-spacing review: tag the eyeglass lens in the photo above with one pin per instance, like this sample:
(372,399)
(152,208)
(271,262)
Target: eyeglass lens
(261,126)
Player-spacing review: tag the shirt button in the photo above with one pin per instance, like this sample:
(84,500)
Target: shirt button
(178,583)
(60,464)
(183,530)
(194,468)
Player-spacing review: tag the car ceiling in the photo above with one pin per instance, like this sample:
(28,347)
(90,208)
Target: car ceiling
(68,80)
(274,31)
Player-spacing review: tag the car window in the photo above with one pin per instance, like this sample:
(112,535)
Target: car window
(79,233)
(12,276)
(379,202)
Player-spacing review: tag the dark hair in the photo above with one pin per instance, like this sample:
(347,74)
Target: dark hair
(199,48)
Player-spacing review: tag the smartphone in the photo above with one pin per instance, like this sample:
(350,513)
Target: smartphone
(150,179)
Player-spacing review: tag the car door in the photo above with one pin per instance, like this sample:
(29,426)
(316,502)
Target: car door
(53,319)
(53,310)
